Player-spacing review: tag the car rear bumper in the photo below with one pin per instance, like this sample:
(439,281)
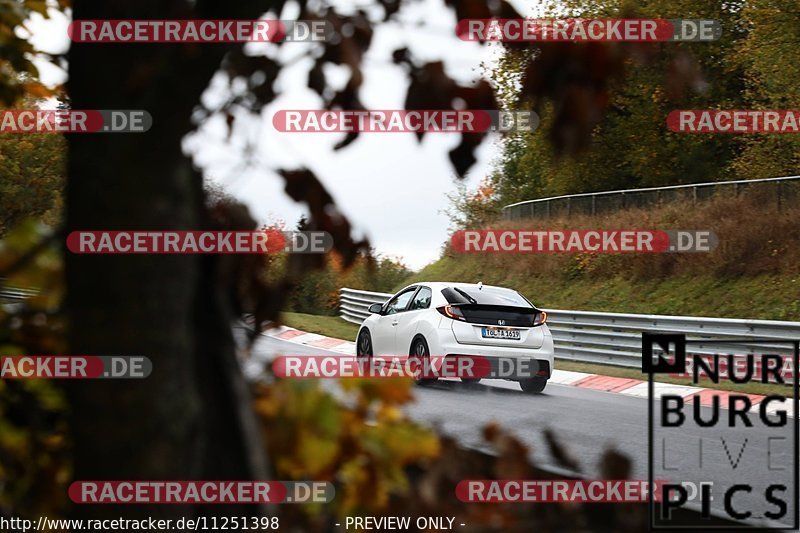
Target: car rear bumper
(541,358)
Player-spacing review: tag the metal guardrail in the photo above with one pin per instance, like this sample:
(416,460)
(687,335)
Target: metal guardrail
(775,191)
(353,303)
(615,338)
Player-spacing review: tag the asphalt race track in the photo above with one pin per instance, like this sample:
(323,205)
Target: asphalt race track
(588,422)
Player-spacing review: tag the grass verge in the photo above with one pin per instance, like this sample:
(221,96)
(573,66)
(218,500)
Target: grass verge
(330,326)
(754,272)
(767,297)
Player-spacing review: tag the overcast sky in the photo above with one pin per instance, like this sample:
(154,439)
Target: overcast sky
(392,188)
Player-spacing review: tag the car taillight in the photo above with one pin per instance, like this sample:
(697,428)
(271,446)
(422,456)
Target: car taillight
(540,318)
(451,312)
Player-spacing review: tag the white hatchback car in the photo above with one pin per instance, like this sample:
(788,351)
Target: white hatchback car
(457,319)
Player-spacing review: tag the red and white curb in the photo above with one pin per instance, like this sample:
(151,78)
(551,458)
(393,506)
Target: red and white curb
(638,387)
(296,336)
(627,386)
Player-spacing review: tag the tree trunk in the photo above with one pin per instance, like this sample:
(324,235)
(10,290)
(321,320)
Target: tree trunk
(190,419)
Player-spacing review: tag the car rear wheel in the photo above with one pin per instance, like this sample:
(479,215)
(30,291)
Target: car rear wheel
(533,385)
(364,344)
(419,350)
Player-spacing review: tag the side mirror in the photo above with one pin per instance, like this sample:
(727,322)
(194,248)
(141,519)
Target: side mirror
(375,309)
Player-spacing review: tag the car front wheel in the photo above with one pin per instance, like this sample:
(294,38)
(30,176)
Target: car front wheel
(533,385)
(364,344)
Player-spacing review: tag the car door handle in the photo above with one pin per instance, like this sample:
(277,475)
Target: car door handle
(394,323)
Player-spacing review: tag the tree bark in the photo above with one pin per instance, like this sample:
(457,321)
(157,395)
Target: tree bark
(191,418)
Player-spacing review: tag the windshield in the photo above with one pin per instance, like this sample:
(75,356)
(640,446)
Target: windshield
(484,296)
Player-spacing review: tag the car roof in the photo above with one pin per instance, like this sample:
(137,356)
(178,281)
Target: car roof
(444,284)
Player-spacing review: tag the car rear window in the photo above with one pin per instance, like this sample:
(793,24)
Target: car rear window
(484,296)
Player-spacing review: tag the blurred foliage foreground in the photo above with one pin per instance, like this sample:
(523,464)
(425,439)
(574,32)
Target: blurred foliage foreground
(354,434)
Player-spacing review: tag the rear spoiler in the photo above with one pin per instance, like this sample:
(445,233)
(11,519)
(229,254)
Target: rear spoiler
(516,309)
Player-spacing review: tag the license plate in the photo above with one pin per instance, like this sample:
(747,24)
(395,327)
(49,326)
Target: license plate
(500,333)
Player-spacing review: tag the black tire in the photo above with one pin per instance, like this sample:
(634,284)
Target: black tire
(419,348)
(364,344)
(533,385)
